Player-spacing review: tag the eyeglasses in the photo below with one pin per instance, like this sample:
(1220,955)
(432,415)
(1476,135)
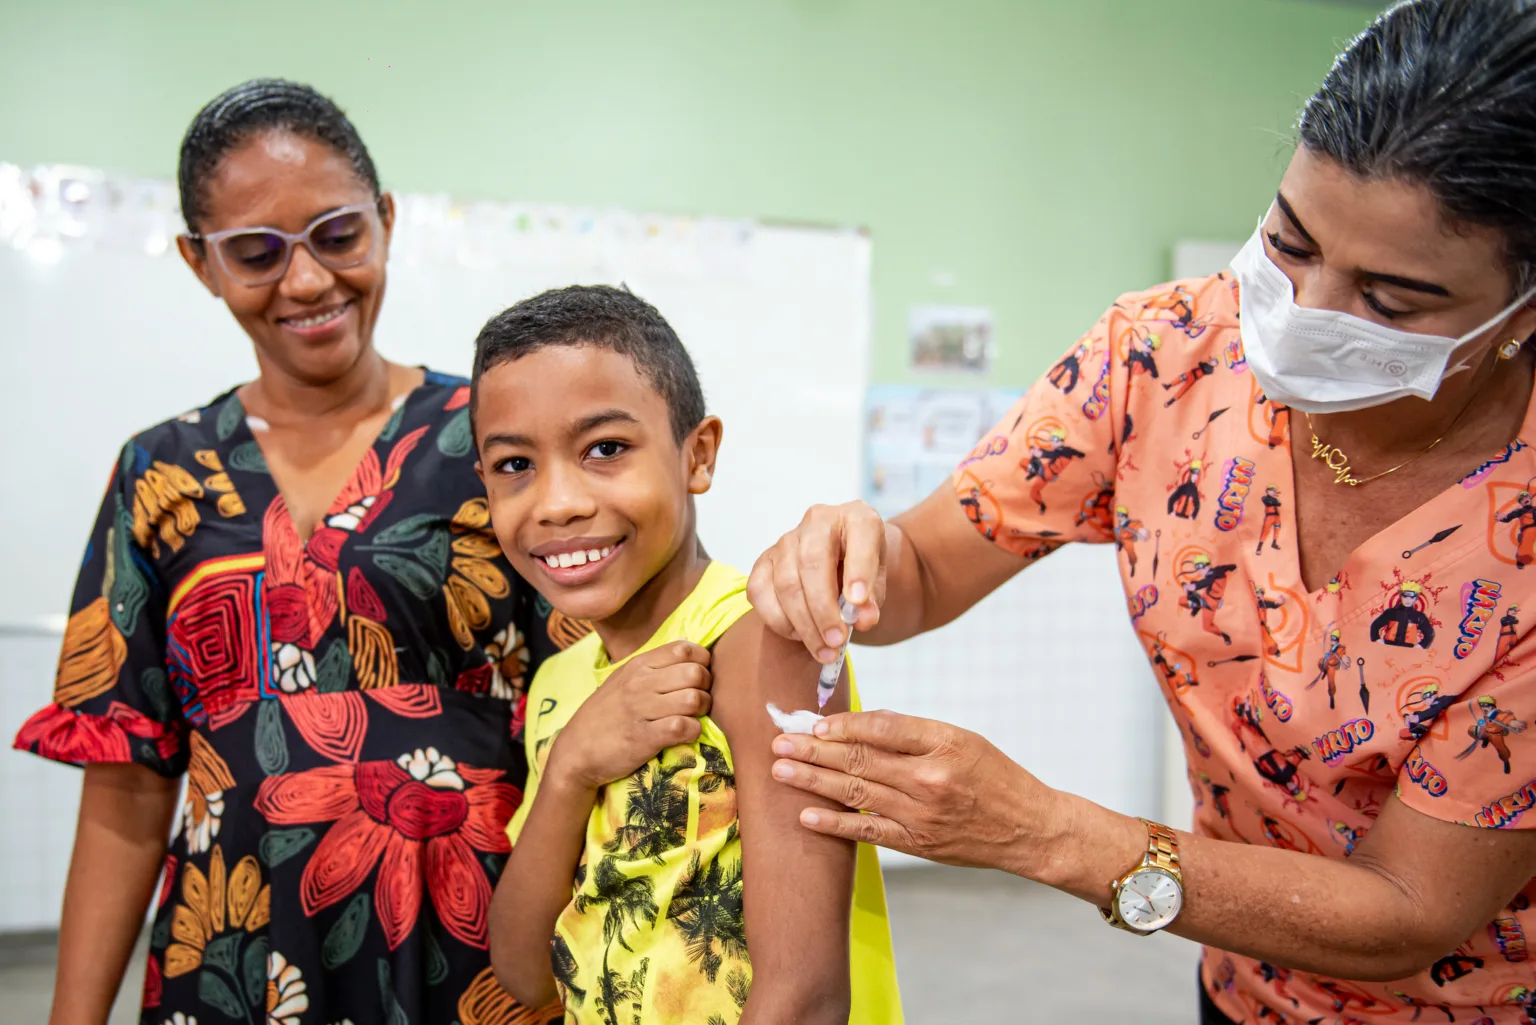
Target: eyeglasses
(343,238)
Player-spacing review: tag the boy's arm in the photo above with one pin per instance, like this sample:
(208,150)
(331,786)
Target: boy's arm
(536,887)
(798,885)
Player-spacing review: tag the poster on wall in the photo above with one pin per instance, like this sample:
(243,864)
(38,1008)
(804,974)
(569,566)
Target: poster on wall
(946,339)
(914,437)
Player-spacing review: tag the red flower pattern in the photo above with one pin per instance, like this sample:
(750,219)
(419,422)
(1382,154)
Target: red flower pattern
(420,816)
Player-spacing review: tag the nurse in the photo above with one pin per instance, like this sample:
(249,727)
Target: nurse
(1338,565)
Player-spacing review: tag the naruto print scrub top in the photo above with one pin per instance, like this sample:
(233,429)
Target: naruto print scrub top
(1411,671)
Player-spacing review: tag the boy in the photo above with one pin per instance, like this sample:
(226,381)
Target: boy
(685,854)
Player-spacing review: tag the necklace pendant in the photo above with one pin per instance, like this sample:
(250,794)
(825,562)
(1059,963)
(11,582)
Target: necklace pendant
(1335,460)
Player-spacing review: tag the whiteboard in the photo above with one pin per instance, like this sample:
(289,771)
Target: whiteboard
(104,340)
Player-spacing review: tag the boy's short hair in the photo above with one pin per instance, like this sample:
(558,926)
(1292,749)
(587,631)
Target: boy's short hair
(611,318)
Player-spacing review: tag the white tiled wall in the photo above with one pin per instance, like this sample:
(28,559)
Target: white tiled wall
(38,799)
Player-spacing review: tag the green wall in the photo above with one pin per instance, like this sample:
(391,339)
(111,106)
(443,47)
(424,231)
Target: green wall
(1035,156)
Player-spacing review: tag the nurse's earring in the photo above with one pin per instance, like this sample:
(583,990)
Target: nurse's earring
(1510,349)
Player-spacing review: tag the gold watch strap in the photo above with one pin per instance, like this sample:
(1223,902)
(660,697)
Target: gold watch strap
(1162,847)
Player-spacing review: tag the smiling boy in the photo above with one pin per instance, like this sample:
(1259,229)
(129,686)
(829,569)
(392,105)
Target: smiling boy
(697,896)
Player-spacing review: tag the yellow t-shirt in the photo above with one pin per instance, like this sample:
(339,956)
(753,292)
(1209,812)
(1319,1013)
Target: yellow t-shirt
(654,933)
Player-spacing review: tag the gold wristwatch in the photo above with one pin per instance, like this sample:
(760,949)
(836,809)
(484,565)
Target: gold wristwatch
(1148,897)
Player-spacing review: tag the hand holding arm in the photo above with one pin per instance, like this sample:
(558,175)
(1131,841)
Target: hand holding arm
(1412,890)
(650,703)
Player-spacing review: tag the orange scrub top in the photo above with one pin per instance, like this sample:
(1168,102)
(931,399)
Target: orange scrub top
(1409,672)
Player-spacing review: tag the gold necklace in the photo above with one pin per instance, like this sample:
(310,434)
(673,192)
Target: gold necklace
(1334,458)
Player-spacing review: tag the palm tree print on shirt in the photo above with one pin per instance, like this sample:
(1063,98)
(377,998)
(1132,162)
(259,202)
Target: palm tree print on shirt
(616,990)
(706,909)
(656,813)
(629,901)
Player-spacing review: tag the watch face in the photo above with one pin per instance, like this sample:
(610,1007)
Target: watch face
(1150,900)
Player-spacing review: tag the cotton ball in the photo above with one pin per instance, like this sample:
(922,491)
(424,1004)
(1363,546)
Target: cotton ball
(802,721)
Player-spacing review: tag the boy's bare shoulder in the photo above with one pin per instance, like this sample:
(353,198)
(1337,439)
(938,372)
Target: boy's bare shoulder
(753,665)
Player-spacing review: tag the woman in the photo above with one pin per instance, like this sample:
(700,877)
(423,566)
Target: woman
(293,596)
(1361,851)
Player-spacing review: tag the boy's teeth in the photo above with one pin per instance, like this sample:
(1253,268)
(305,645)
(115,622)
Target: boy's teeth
(565,560)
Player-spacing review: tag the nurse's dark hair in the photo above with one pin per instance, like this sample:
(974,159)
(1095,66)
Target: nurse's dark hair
(236,115)
(1442,93)
(599,315)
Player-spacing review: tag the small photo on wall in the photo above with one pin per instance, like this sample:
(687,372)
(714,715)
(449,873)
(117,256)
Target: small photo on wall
(950,338)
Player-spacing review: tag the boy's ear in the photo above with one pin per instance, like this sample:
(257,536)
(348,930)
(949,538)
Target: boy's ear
(701,448)
(479,471)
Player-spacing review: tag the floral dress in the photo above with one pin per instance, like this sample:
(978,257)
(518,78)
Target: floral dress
(347,712)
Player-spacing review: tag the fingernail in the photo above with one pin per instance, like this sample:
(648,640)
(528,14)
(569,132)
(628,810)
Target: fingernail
(858,592)
(826,655)
(810,818)
(833,636)
(821,729)
(782,770)
(782,746)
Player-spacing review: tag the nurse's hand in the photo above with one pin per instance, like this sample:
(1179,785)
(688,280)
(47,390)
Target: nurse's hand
(836,549)
(936,791)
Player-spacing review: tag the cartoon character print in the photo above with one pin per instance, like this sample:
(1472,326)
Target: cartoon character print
(1278,420)
(1328,666)
(1281,770)
(1205,587)
(1287,838)
(1347,836)
(1177,308)
(1184,502)
(1265,605)
(1491,727)
(1176,668)
(1420,1006)
(1127,533)
(1141,354)
(1336,585)
(1276,978)
(1455,966)
(1247,724)
(1269,530)
(1523,997)
(1509,632)
(1523,516)
(1181,385)
(1404,623)
(1422,708)
(1219,799)
(1065,375)
(1049,455)
(971,498)
(1098,509)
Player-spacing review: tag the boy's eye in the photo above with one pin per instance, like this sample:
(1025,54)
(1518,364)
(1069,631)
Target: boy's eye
(606,449)
(516,464)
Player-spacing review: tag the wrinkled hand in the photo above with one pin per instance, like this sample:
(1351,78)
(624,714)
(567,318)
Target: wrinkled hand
(936,791)
(794,586)
(650,703)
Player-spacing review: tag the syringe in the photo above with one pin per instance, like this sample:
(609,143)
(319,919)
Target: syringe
(827,682)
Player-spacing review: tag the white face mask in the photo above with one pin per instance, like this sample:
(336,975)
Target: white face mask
(1326,361)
